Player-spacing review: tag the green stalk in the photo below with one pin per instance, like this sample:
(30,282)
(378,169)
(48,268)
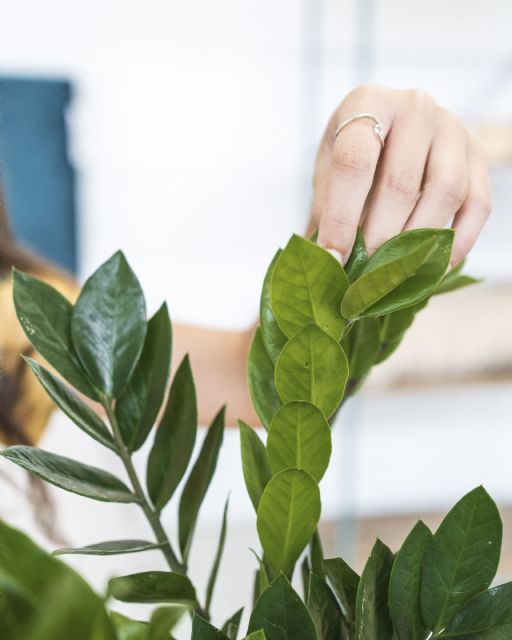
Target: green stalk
(151,515)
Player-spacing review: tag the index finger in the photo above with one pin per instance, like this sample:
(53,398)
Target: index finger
(354,159)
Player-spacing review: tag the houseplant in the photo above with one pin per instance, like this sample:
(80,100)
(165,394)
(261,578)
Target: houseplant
(322,328)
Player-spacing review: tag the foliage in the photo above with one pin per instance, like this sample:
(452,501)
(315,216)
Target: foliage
(322,329)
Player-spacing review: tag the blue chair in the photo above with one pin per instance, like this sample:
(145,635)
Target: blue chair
(37,177)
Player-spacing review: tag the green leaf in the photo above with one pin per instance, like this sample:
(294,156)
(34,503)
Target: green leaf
(255,464)
(128,629)
(305,571)
(288,514)
(362,346)
(260,375)
(45,316)
(404,585)
(108,325)
(273,338)
(163,620)
(345,583)
(312,367)
(256,635)
(153,587)
(202,630)
(109,548)
(174,439)
(455,283)
(453,280)
(137,408)
(372,615)
(231,626)
(462,558)
(281,614)
(70,475)
(199,481)
(324,610)
(358,258)
(218,557)
(29,574)
(487,616)
(316,555)
(75,408)
(299,437)
(402,272)
(393,328)
(262,580)
(307,286)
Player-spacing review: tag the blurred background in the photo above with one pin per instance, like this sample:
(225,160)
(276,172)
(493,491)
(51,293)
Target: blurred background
(185,134)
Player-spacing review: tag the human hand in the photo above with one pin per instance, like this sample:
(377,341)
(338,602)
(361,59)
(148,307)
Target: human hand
(429,173)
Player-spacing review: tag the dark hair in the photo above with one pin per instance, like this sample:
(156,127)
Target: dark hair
(12,430)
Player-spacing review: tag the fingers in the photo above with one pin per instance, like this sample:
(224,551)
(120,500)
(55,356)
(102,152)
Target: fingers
(475,210)
(399,178)
(348,171)
(354,158)
(446,178)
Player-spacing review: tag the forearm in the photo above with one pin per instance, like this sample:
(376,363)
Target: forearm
(219,364)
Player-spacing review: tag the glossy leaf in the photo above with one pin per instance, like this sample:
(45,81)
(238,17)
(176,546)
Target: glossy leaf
(109,548)
(372,615)
(281,614)
(273,338)
(153,587)
(312,367)
(108,325)
(487,616)
(287,517)
(199,481)
(308,284)
(45,316)
(402,272)
(26,571)
(71,404)
(174,439)
(345,582)
(202,630)
(362,349)
(69,475)
(260,375)
(218,557)
(324,610)
(404,585)
(137,408)
(128,629)
(256,635)
(299,437)
(358,258)
(255,464)
(232,625)
(163,620)
(462,558)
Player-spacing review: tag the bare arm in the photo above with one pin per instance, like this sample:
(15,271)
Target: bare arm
(219,364)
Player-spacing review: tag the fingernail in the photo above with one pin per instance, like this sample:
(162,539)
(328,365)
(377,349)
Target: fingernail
(336,254)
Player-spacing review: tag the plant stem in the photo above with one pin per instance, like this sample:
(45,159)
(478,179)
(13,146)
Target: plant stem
(152,516)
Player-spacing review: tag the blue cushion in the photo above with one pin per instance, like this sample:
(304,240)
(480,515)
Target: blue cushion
(37,176)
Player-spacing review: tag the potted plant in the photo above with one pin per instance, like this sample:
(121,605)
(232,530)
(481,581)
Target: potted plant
(322,328)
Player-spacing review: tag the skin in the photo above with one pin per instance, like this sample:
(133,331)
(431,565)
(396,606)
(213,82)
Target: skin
(430,173)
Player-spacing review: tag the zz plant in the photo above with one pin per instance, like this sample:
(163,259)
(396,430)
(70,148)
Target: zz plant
(322,329)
